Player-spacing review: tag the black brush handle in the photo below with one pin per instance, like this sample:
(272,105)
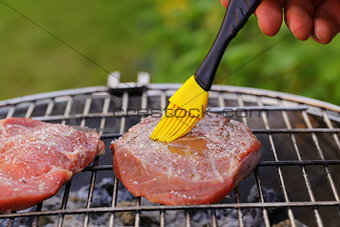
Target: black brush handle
(237,14)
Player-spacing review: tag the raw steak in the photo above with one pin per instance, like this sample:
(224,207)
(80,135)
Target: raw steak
(200,168)
(37,158)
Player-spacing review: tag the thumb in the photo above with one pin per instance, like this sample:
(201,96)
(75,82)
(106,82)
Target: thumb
(225,2)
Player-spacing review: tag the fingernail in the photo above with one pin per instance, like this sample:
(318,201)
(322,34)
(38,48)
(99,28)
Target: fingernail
(316,33)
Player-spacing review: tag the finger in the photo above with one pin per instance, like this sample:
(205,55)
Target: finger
(269,16)
(298,17)
(225,3)
(327,21)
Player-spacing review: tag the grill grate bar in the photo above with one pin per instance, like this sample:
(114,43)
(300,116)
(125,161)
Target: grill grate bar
(273,148)
(264,205)
(304,172)
(329,176)
(67,110)
(256,131)
(163,100)
(138,199)
(125,102)
(213,218)
(262,163)
(299,163)
(91,192)
(236,191)
(49,108)
(258,183)
(10,112)
(162,218)
(330,125)
(68,185)
(137,213)
(187,219)
(64,202)
(317,145)
(106,106)
(29,110)
(241,104)
(28,114)
(297,130)
(187,215)
(86,110)
(163,106)
(105,110)
(114,201)
(259,187)
(239,212)
(96,161)
(36,218)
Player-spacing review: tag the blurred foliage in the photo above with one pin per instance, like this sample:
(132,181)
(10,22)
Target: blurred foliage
(169,39)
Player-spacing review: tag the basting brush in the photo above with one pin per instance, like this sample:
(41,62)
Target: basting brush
(188,104)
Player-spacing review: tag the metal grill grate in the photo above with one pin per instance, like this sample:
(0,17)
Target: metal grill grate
(300,154)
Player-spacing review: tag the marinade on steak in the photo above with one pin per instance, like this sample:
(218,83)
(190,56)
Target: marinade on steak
(37,158)
(199,168)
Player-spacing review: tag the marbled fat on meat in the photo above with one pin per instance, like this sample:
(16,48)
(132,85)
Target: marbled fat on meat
(37,158)
(200,168)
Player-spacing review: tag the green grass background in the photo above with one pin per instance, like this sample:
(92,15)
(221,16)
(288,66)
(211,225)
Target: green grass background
(167,38)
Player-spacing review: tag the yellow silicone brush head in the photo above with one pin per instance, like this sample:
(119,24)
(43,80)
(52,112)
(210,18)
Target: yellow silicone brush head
(186,108)
(174,124)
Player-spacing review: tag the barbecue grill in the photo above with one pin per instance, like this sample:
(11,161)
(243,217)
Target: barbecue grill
(300,156)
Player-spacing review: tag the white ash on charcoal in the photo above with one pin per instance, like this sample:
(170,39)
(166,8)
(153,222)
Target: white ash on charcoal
(19,222)
(287,223)
(102,197)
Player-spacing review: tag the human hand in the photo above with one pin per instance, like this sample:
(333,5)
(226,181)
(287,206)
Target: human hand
(319,19)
